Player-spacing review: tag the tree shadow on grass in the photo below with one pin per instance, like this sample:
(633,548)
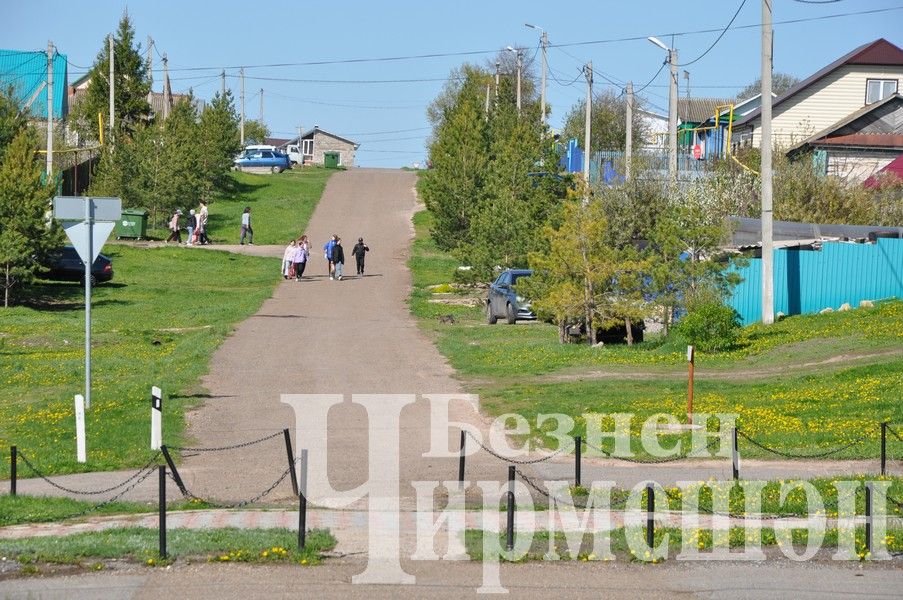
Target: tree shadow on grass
(64,296)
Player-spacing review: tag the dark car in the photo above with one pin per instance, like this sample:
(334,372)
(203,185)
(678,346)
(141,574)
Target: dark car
(274,160)
(504,301)
(67,265)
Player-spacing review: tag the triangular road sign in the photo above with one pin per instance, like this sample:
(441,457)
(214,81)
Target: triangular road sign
(77,231)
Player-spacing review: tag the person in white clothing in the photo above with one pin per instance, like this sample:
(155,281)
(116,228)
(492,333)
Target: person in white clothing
(287,257)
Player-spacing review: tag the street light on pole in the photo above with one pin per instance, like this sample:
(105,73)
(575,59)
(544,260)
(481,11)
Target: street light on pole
(544,42)
(672,106)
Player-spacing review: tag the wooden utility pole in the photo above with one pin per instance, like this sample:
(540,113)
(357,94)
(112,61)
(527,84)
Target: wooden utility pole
(587,130)
(112,89)
(50,53)
(767,242)
(167,92)
(241,74)
(628,147)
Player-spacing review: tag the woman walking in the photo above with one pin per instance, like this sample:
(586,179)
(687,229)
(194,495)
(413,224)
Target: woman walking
(202,224)
(174,234)
(287,257)
(192,227)
(246,227)
(299,259)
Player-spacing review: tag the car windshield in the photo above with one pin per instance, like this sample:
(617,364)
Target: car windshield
(516,276)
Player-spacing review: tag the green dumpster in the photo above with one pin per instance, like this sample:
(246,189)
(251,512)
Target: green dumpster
(132,224)
(331,160)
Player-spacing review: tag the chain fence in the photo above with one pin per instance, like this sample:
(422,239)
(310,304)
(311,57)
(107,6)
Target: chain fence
(785,454)
(712,443)
(515,461)
(188,495)
(231,447)
(894,433)
(149,465)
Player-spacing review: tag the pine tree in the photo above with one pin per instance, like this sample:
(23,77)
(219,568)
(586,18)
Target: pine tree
(25,236)
(132,86)
(12,119)
(220,141)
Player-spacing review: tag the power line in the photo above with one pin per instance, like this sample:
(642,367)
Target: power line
(657,73)
(358,133)
(717,39)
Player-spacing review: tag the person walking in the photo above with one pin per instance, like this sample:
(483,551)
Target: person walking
(359,251)
(202,224)
(246,229)
(299,259)
(327,253)
(174,234)
(287,257)
(192,227)
(338,259)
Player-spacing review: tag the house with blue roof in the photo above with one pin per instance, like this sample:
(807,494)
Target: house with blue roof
(25,73)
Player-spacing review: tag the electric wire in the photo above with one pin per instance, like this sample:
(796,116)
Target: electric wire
(717,39)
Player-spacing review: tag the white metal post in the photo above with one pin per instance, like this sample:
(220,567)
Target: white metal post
(80,453)
(156,418)
(89,226)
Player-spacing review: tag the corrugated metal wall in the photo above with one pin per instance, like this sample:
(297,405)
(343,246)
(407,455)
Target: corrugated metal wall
(807,281)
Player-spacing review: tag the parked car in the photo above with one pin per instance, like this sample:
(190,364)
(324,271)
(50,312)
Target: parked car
(504,301)
(263,158)
(67,265)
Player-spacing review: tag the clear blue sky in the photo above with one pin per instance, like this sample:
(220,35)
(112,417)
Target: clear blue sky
(389,118)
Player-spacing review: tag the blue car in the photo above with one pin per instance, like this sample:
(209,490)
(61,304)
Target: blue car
(256,158)
(504,301)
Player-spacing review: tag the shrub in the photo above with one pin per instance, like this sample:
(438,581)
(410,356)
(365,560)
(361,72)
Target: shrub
(710,326)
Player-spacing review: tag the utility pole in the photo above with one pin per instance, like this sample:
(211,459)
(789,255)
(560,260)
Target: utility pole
(767,233)
(588,71)
(150,66)
(487,101)
(687,115)
(261,106)
(112,88)
(545,65)
(167,92)
(241,74)
(223,83)
(628,150)
(498,68)
(50,53)
(672,115)
(519,64)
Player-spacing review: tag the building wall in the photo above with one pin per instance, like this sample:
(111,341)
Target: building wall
(858,165)
(807,281)
(323,142)
(824,103)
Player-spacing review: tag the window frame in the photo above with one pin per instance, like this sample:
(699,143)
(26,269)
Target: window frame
(880,82)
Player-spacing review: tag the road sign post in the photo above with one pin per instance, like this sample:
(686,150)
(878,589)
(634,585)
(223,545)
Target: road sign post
(88,223)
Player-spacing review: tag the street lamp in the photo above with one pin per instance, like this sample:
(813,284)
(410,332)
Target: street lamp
(544,42)
(672,107)
(518,54)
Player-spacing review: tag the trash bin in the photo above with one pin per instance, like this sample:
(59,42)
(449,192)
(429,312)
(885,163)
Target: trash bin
(331,160)
(132,224)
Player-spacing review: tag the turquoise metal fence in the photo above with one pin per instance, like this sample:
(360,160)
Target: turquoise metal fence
(807,281)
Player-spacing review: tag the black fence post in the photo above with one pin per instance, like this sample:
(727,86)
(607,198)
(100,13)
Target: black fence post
(13,468)
(461,460)
(509,545)
(302,503)
(172,467)
(883,448)
(868,516)
(162,509)
(735,456)
(577,456)
(650,516)
(291,460)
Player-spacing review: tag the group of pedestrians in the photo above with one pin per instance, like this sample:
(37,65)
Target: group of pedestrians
(297,254)
(196,226)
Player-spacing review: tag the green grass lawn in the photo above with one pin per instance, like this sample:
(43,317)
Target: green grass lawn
(156,323)
(281,206)
(141,544)
(523,369)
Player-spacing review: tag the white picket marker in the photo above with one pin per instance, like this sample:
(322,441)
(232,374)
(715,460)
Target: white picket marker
(80,429)
(156,418)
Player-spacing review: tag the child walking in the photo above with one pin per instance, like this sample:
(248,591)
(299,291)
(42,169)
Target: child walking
(246,229)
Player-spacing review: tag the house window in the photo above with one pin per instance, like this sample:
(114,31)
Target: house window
(879,89)
(307,148)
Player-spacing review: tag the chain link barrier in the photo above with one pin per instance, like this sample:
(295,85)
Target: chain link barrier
(762,446)
(222,448)
(894,433)
(619,505)
(652,461)
(515,461)
(148,465)
(188,495)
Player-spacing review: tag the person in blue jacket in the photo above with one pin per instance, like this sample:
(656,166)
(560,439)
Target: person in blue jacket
(327,249)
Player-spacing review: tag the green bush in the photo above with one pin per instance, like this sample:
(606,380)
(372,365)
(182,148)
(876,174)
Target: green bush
(710,326)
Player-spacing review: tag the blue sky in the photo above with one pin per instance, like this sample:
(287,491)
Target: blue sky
(389,118)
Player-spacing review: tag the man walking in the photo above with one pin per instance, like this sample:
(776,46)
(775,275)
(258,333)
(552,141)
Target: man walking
(246,229)
(359,251)
(327,253)
(338,259)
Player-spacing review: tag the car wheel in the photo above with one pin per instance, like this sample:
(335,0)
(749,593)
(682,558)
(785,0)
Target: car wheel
(277,170)
(490,318)
(510,315)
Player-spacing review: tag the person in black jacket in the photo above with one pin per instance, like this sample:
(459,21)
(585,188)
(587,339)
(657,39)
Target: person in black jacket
(338,258)
(359,251)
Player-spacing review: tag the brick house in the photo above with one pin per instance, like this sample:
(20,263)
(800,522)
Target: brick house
(316,142)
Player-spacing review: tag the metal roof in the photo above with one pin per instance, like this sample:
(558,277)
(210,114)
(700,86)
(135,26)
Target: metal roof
(747,232)
(697,110)
(26,73)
